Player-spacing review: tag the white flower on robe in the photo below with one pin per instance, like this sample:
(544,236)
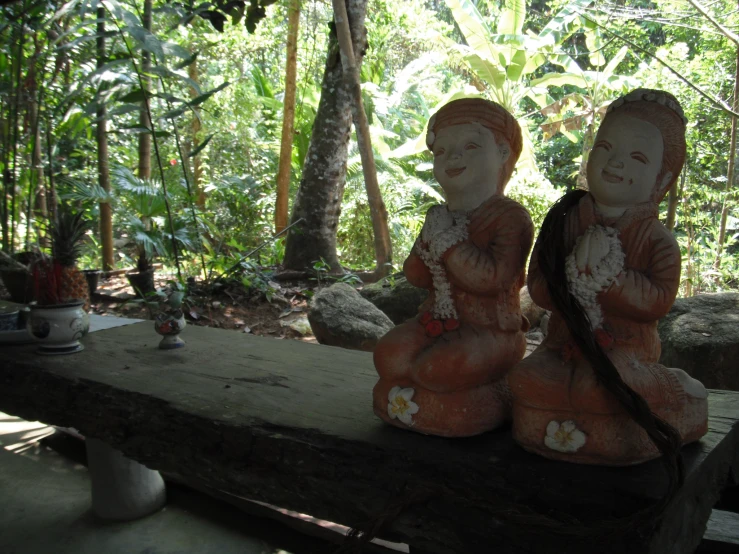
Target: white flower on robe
(565,437)
(400,405)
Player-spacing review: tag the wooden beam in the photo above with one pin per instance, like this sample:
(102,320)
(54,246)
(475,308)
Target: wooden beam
(722,534)
(291,424)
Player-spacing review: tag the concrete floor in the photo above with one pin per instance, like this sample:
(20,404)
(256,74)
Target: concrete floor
(46,509)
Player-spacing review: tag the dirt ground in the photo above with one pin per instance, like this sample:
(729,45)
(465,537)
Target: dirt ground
(229,306)
(225,306)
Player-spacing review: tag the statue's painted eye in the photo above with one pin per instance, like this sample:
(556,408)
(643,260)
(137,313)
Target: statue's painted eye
(439,152)
(471,146)
(639,157)
(602,144)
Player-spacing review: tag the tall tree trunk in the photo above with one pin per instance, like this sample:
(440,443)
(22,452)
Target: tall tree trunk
(15,123)
(41,211)
(5,141)
(288,117)
(383,245)
(37,208)
(52,200)
(106,215)
(197,170)
(145,138)
(318,201)
(731,169)
(143,262)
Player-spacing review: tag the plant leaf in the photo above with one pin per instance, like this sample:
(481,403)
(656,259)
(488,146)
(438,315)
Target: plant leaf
(201,146)
(137,95)
(203,97)
(512,19)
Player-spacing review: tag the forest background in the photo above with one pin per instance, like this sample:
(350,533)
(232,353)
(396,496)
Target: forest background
(86,85)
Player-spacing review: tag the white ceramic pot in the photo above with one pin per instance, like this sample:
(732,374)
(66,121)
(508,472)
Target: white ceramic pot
(170,325)
(59,327)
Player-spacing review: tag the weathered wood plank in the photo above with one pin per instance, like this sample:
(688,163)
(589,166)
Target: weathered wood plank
(722,534)
(291,424)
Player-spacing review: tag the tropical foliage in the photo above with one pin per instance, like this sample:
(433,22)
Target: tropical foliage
(215,100)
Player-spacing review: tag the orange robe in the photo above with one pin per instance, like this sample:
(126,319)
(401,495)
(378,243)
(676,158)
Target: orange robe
(556,377)
(485,273)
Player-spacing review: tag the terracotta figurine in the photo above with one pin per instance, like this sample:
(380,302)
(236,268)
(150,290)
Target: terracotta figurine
(442,372)
(623,268)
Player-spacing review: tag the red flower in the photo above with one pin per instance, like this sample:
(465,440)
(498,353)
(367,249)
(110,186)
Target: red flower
(603,337)
(434,328)
(425,318)
(451,324)
(172,162)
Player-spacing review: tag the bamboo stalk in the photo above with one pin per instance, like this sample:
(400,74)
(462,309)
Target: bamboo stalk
(16,90)
(288,118)
(383,245)
(106,212)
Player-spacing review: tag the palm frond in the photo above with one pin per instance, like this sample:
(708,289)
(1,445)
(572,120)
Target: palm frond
(125,180)
(80,191)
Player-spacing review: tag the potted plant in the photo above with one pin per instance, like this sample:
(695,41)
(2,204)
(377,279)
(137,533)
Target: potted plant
(141,203)
(59,318)
(89,196)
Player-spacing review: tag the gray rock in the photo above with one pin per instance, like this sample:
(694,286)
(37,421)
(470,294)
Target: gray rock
(339,316)
(544,323)
(701,336)
(396,297)
(529,309)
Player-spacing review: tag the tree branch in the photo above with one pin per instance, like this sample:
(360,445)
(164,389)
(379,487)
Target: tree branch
(726,32)
(712,99)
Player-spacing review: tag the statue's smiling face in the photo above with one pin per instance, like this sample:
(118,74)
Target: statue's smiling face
(625,162)
(466,157)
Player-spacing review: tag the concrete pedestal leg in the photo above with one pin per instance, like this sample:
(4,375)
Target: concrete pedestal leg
(122,489)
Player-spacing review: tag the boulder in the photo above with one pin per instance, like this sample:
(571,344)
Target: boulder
(396,297)
(339,316)
(701,336)
(529,309)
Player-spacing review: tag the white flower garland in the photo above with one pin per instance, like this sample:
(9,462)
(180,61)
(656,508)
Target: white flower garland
(441,230)
(586,287)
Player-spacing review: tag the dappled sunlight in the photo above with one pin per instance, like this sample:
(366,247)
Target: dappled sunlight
(335,527)
(20,436)
(17,426)
(23,438)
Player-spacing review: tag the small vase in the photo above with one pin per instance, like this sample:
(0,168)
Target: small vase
(59,327)
(170,325)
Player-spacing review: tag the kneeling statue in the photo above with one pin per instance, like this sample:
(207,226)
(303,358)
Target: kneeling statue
(442,373)
(593,392)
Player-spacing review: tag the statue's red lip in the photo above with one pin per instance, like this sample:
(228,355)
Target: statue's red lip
(455,171)
(611,177)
